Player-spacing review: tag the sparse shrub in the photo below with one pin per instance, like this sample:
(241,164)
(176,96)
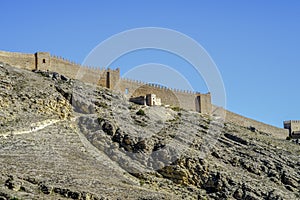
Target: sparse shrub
(288,138)
(177,109)
(141,112)
(142,182)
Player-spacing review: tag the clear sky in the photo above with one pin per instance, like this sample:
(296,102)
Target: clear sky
(255,44)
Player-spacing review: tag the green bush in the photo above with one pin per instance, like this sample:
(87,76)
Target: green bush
(177,109)
(141,112)
(288,138)
(142,182)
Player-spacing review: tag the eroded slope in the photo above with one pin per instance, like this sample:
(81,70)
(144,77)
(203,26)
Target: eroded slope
(61,138)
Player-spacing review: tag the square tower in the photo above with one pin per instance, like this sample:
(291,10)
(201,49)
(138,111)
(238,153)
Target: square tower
(152,100)
(294,128)
(203,103)
(110,78)
(42,61)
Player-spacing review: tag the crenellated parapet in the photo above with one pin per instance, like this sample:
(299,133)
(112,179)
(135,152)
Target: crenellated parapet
(186,99)
(110,78)
(20,60)
(294,128)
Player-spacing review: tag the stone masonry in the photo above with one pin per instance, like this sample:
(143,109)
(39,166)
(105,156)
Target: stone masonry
(294,128)
(111,79)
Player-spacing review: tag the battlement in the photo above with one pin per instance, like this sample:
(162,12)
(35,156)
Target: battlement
(20,60)
(188,100)
(294,128)
(292,122)
(110,78)
(158,86)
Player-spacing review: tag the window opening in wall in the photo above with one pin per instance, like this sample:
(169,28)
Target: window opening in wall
(44,60)
(126,90)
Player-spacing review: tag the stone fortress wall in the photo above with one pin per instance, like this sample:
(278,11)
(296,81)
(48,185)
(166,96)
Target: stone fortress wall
(73,70)
(20,60)
(179,98)
(247,122)
(111,79)
(45,61)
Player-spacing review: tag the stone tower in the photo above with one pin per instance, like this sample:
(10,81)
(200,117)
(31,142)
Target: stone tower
(109,78)
(203,103)
(294,128)
(42,61)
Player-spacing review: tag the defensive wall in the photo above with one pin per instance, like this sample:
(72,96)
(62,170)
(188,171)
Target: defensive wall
(111,79)
(260,126)
(20,60)
(180,98)
(45,61)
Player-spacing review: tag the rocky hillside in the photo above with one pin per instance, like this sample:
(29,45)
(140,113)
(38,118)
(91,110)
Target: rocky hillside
(63,139)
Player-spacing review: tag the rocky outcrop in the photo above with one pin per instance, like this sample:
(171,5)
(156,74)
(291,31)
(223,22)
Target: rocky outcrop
(23,102)
(27,184)
(103,147)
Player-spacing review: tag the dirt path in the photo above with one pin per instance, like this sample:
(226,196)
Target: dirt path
(33,127)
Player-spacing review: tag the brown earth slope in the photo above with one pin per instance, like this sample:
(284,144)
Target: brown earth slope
(62,139)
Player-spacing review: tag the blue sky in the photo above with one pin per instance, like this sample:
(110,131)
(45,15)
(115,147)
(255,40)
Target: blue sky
(255,44)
